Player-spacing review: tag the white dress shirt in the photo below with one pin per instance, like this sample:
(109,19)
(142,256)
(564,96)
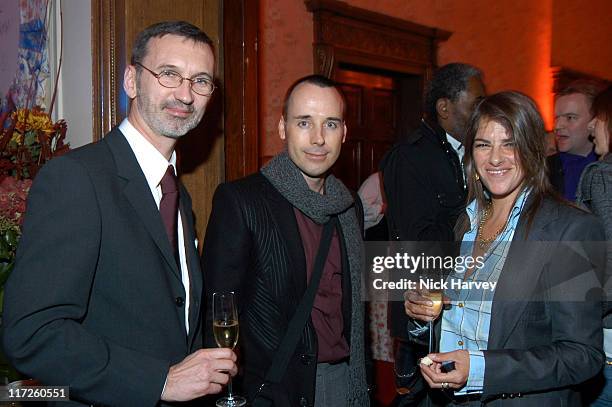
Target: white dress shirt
(457,146)
(154,165)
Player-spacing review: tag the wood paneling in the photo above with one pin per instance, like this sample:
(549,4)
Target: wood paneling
(371,120)
(240,29)
(107,42)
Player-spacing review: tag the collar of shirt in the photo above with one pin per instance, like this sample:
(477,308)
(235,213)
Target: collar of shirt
(151,161)
(455,144)
(515,212)
(570,158)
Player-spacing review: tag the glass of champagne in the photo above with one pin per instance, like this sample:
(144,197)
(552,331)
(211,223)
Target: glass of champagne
(435,296)
(225,330)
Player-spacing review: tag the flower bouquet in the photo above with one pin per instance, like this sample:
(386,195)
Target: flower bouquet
(28,139)
(13,195)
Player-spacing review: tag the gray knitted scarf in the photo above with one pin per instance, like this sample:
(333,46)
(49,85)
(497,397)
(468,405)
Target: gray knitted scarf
(286,177)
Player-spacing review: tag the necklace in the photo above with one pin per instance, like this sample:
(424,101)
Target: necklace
(482,242)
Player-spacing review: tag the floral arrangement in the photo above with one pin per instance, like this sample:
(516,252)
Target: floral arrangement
(13,194)
(28,136)
(28,139)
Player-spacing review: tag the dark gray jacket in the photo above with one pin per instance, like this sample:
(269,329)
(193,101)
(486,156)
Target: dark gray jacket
(96,300)
(543,339)
(595,193)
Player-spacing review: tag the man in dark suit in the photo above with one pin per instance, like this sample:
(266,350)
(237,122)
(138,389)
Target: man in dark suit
(423,176)
(263,235)
(105,295)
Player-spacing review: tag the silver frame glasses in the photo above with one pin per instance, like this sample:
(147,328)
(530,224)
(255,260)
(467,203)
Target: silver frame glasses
(182,78)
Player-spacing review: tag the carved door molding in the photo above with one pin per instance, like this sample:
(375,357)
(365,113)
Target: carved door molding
(347,34)
(108,58)
(362,50)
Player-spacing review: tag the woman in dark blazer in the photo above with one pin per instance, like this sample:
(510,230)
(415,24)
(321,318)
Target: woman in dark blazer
(534,336)
(595,193)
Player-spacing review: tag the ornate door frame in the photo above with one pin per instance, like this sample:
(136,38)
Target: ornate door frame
(347,34)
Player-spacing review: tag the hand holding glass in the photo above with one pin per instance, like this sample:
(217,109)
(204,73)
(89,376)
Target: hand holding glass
(225,330)
(435,296)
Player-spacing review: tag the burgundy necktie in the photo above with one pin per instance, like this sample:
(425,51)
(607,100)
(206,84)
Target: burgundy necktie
(168,208)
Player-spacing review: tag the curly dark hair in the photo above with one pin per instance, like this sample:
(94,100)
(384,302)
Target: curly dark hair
(447,82)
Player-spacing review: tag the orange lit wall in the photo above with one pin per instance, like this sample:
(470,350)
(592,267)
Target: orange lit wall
(285,54)
(582,32)
(510,40)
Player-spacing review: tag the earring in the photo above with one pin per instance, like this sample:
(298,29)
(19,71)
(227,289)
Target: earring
(476,177)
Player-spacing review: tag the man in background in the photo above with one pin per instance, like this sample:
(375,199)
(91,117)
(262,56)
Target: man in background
(424,183)
(263,236)
(105,295)
(572,116)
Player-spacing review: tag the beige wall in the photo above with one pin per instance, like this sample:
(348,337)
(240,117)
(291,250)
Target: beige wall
(511,41)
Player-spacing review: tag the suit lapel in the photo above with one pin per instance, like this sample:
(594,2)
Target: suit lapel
(518,280)
(283,215)
(137,192)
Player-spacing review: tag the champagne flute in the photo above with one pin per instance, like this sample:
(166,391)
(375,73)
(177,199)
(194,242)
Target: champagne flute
(225,330)
(435,296)
(403,351)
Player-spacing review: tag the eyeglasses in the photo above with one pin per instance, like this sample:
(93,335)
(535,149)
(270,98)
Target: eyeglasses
(202,85)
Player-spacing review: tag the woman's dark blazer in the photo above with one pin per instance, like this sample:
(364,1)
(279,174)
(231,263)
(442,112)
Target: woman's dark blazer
(545,335)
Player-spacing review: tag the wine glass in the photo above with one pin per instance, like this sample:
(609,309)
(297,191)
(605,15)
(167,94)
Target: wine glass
(225,330)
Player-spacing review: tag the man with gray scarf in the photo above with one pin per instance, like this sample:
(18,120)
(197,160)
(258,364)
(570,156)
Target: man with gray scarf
(262,240)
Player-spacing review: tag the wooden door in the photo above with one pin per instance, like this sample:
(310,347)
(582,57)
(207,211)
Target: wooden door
(381,106)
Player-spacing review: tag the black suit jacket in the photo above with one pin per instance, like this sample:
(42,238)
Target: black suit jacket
(555,173)
(544,338)
(423,183)
(96,300)
(253,247)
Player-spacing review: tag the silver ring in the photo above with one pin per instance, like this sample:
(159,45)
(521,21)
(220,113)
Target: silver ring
(445,385)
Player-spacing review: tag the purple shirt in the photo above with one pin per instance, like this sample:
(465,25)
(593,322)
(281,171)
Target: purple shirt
(573,165)
(327,308)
